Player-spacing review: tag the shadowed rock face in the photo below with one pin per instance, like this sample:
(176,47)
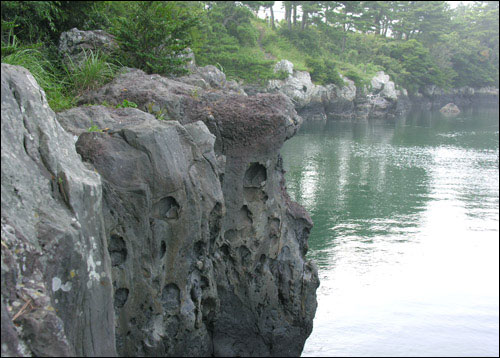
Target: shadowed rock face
(203,246)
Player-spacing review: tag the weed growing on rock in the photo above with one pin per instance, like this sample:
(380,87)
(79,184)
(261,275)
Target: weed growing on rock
(126,104)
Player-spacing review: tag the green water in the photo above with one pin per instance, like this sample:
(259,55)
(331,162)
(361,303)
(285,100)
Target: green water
(406,224)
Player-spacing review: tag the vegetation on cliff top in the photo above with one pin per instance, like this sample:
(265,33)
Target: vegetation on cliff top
(416,43)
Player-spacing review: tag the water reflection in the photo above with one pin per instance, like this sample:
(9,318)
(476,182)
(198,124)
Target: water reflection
(406,233)
(355,181)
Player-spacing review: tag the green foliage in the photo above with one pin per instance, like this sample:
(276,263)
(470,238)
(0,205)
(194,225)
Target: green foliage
(416,43)
(281,48)
(282,75)
(231,41)
(127,104)
(247,64)
(153,36)
(90,73)
(323,71)
(36,20)
(46,20)
(160,113)
(94,128)
(46,74)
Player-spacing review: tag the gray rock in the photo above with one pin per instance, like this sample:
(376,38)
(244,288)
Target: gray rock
(284,66)
(225,211)
(74,44)
(383,86)
(318,103)
(184,244)
(159,194)
(433,97)
(54,248)
(153,93)
(210,77)
(78,120)
(450,109)
(299,88)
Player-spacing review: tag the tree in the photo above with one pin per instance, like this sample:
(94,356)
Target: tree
(269,5)
(154,35)
(288,13)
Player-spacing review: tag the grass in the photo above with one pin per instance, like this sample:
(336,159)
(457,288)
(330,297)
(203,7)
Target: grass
(62,83)
(46,74)
(90,73)
(280,47)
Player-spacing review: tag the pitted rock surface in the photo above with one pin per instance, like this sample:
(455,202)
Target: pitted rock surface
(257,291)
(172,238)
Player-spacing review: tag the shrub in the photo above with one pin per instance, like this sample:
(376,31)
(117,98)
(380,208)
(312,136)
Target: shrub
(153,36)
(323,71)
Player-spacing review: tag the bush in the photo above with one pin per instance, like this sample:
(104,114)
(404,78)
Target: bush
(323,71)
(357,77)
(247,35)
(90,73)
(36,19)
(153,36)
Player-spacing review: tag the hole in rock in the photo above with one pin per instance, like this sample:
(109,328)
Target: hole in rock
(167,208)
(255,175)
(274,228)
(245,255)
(121,296)
(199,248)
(170,297)
(117,250)
(214,222)
(225,249)
(163,249)
(244,216)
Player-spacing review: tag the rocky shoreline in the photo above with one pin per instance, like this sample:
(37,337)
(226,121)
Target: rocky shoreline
(152,236)
(381,101)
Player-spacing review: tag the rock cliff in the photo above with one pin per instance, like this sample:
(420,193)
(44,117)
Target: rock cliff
(381,101)
(317,102)
(433,97)
(166,233)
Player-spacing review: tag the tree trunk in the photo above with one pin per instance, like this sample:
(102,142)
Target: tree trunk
(272,17)
(304,19)
(294,15)
(288,14)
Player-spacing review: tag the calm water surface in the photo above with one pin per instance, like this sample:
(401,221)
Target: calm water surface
(406,231)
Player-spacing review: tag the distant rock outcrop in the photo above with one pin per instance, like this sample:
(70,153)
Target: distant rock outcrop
(74,44)
(433,97)
(450,109)
(317,102)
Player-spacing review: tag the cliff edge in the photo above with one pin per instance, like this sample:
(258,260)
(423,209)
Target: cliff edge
(163,233)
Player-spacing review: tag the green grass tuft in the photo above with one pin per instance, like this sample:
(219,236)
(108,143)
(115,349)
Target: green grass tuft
(90,73)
